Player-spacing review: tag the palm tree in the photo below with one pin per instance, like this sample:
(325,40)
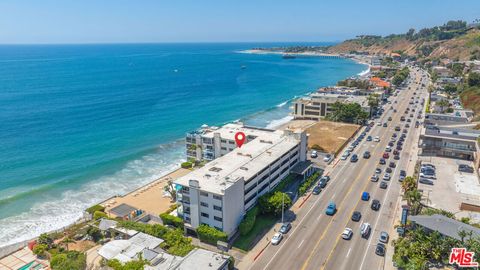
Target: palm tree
(67,240)
(408,184)
(372,102)
(462,234)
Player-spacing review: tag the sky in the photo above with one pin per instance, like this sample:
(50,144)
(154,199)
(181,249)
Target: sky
(130,21)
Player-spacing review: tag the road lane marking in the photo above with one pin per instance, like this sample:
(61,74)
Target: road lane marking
(301,243)
(334,195)
(348,253)
(318,218)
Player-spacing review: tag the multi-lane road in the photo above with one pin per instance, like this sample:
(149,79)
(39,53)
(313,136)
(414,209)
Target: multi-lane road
(315,240)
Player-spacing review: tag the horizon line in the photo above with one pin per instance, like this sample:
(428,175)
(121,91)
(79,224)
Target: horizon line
(163,42)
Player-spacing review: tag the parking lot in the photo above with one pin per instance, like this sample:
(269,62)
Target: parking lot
(451,187)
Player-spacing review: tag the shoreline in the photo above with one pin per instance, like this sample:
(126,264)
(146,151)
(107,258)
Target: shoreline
(273,123)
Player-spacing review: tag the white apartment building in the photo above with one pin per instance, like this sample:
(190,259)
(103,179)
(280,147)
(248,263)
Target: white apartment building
(209,143)
(318,105)
(220,193)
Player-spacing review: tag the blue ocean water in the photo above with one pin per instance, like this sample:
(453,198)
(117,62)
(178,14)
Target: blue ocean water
(81,123)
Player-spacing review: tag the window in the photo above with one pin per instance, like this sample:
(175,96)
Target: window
(204,194)
(219,208)
(218,218)
(204,215)
(231,142)
(223,148)
(204,204)
(217,197)
(185,189)
(223,141)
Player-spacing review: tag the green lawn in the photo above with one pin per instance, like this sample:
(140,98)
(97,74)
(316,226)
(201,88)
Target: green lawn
(262,225)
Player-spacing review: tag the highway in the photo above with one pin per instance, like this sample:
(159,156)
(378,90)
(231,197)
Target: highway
(315,242)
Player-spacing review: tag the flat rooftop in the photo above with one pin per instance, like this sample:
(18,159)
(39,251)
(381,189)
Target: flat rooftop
(245,162)
(229,130)
(453,133)
(334,97)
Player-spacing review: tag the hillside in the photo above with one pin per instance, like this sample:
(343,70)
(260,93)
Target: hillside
(454,40)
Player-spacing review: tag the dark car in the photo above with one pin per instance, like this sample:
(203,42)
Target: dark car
(391,164)
(354,158)
(285,227)
(465,168)
(390,144)
(405,131)
(403,173)
(356,216)
(397,128)
(384,125)
(378,170)
(383,185)
(380,249)
(395,152)
(396,157)
(375,205)
(388,170)
(399,148)
(317,190)
(382,161)
(366,154)
(326,177)
(322,183)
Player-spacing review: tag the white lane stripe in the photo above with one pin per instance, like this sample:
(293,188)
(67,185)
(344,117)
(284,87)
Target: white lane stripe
(301,243)
(348,253)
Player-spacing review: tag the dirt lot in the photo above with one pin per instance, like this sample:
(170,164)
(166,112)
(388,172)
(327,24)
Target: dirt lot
(328,135)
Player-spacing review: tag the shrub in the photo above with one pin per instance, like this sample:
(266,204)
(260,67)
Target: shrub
(176,244)
(40,250)
(71,260)
(187,165)
(45,239)
(308,183)
(210,235)
(172,220)
(95,208)
(318,148)
(95,233)
(131,265)
(248,221)
(231,263)
(271,203)
(98,215)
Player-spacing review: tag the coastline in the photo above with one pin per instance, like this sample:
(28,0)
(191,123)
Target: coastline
(273,123)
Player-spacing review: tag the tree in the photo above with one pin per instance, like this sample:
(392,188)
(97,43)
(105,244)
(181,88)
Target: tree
(408,184)
(170,189)
(131,265)
(71,260)
(45,239)
(272,203)
(67,240)
(450,89)
(40,250)
(443,103)
(95,233)
(473,79)
(98,215)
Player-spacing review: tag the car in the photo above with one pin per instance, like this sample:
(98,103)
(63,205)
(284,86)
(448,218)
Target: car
(345,155)
(354,158)
(365,196)
(391,144)
(366,154)
(396,157)
(403,173)
(383,237)
(325,177)
(383,185)
(277,238)
(365,229)
(378,170)
(391,164)
(322,183)
(407,125)
(285,227)
(395,152)
(427,175)
(314,154)
(428,165)
(376,139)
(399,148)
(369,138)
(316,190)
(327,158)
(347,234)
(408,121)
(386,177)
(351,147)
(374,178)
(380,249)
(465,168)
(379,123)
(356,216)
(425,181)
(386,155)
(382,161)
(375,205)
(395,110)
(388,149)
(331,209)
(405,131)
(402,118)
(397,128)
(388,170)
(385,124)
(390,118)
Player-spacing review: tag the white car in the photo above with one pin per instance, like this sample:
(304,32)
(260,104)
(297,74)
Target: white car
(277,238)
(386,176)
(345,155)
(314,154)
(327,158)
(347,234)
(379,123)
(365,229)
(376,139)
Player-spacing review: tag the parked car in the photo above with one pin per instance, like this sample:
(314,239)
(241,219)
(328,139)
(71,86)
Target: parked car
(325,177)
(396,157)
(365,196)
(347,234)
(285,227)
(276,238)
(314,154)
(391,164)
(316,190)
(383,237)
(356,216)
(331,209)
(382,161)
(322,183)
(378,170)
(386,176)
(388,170)
(425,181)
(383,185)
(374,178)
(375,205)
(327,158)
(465,168)
(380,249)
(345,155)
(365,229)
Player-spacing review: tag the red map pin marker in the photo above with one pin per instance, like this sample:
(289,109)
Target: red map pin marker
(239,138)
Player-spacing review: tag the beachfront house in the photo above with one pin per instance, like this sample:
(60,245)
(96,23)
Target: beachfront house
(220,193)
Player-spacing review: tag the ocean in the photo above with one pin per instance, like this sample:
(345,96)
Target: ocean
(81,123)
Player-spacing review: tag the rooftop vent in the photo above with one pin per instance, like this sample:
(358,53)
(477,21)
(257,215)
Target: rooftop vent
(215,169)
(244,168)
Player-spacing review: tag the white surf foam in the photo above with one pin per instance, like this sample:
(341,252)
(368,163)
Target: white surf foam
(278,122)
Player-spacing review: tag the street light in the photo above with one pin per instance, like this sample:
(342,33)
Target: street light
(283,202)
